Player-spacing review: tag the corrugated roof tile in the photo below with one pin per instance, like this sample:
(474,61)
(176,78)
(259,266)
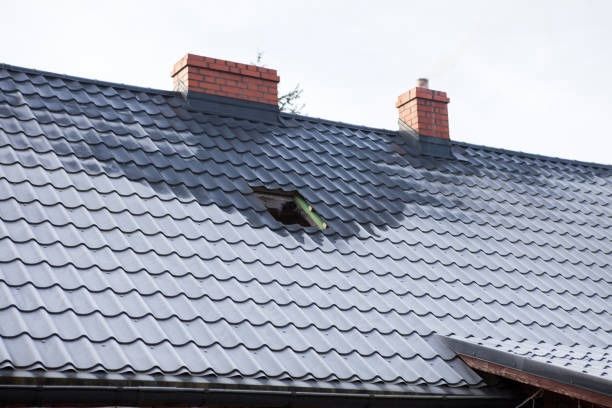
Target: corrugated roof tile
(131,242)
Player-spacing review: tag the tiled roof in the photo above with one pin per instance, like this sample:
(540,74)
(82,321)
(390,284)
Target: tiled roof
(131,244)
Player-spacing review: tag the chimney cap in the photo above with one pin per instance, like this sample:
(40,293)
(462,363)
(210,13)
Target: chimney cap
(422,83)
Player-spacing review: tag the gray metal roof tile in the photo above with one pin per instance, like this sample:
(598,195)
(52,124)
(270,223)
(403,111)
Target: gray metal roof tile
(131,243)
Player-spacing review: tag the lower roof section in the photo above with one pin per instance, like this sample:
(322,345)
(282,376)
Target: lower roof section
(545,373)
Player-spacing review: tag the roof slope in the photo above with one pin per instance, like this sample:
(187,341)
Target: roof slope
(131,244)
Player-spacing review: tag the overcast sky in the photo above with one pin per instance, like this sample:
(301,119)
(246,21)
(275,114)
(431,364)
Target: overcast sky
(534,76)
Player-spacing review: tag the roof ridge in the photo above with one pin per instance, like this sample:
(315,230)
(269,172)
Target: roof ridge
(300,117)
(354,126)
(164,92)
(520,153)
(454,142)
(390,132)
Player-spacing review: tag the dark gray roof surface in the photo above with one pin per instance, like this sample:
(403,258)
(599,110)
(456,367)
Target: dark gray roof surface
(131,244)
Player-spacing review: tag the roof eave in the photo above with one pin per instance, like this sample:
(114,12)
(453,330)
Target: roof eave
(49,395)
(56,388)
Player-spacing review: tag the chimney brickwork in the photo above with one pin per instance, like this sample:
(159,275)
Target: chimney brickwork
(194,73)
(425,110)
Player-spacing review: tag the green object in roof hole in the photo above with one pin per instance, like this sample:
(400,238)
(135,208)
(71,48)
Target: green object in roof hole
(309,212)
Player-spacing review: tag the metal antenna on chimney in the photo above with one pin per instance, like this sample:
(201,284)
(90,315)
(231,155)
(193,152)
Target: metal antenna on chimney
(423,83)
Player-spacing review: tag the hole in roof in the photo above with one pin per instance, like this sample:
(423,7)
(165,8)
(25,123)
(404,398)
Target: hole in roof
(290,208)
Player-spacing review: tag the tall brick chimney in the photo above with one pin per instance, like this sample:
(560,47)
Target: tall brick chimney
(425,110)
(211,76)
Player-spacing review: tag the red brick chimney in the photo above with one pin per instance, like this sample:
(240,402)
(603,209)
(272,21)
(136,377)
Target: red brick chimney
(425,110)
(197,74)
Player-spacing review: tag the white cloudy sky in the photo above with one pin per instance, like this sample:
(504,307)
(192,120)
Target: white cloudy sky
(534,76)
